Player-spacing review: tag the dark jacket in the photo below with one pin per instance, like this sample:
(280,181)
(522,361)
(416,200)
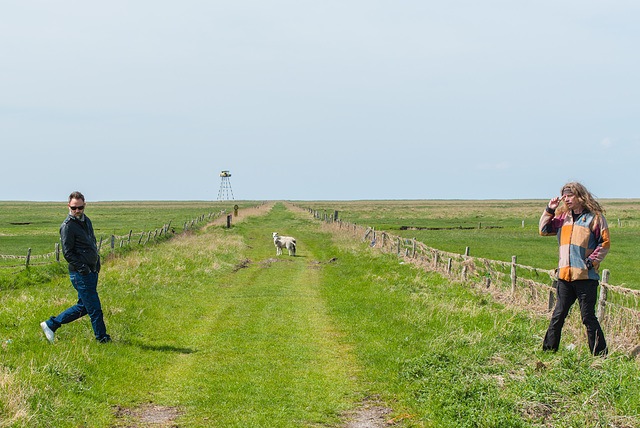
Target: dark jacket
(79,245)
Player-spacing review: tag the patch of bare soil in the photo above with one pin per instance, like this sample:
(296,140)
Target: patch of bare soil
(243,264)
(147,415)
(246,262)
(369,414)
(315,264)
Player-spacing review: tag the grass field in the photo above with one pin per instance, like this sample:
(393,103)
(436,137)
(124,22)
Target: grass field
(211,329)
(502,234)
(35,225)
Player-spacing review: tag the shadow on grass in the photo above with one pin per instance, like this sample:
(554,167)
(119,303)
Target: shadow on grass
(160,348)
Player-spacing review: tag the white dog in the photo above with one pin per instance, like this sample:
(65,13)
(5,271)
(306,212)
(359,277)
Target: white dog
(284,242)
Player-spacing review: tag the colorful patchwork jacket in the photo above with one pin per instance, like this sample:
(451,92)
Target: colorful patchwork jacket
(586,238)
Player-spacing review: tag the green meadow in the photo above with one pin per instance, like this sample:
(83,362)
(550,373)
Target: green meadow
(211,328)
(35,225)
(494,229)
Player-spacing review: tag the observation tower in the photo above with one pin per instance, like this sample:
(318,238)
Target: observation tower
(225,187)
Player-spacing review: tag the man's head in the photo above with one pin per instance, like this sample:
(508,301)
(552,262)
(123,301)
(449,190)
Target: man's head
(76,195)
(76,204)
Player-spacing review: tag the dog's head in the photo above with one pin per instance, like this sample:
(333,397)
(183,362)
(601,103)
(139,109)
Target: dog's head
(275,234)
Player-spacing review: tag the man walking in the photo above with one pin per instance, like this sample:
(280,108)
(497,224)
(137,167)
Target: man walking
(80,250)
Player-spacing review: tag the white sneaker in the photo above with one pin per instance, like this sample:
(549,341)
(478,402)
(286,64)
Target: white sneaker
(47,331)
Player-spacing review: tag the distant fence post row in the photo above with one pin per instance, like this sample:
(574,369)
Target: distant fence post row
(617,308)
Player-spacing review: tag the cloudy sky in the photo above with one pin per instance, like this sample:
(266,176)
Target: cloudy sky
(311,100)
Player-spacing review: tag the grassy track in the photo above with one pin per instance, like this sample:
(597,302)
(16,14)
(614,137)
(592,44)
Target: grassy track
(210,329)
(265,345)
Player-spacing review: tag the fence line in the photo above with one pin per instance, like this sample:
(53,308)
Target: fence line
(158,232)
(618,307)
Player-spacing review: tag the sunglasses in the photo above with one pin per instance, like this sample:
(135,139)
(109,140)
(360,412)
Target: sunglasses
(81,207)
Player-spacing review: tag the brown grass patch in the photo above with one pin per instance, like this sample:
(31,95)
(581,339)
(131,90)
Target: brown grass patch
(13,399)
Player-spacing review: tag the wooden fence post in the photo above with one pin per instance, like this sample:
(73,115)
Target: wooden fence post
(367,232)
(413,251)
(129,240)
(602,301)
(449,266)
(113,242)
(228,221)
(436,256)
(28,257)
(398,245)
(100,245)
(464,266)
(57,251)
(514,278)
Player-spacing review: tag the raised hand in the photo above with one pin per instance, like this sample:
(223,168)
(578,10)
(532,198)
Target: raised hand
(553,203)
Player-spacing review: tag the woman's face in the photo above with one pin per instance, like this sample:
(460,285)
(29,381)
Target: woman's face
(572,202)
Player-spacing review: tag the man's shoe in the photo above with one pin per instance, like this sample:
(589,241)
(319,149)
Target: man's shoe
(47,331)
(105,339)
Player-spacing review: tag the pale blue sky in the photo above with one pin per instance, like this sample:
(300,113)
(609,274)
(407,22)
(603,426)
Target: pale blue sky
(130,100)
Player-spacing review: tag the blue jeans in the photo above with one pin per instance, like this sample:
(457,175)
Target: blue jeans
(586,293)
(88,303)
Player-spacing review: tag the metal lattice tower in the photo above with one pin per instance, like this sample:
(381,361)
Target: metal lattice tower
(225,187)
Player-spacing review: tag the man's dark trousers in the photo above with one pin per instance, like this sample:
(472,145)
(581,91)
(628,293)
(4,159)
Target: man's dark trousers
(88,303)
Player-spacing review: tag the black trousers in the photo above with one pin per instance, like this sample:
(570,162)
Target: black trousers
(586,293)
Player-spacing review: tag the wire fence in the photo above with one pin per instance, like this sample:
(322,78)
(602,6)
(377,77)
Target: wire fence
(618,307)
(106,245)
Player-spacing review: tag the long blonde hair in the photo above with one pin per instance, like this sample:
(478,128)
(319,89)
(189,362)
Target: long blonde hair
(586,199)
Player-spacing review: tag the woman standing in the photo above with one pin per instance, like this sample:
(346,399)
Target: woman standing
(583,236)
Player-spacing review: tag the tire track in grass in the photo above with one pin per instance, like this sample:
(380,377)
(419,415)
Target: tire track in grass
(269,354)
